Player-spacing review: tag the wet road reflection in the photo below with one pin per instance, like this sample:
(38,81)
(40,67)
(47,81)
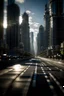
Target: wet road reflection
(32,78)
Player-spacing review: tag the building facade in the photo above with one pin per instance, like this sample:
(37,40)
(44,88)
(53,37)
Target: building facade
(1,18)
(13,33)
(1,24)
(46,26)
(32,42)
(56,22)
(25,34)
(56,36)
(40,40)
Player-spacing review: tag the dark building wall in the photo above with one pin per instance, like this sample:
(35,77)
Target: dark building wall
(40,39)
(11,2)
(12,34)
(46,26)
(1,18)
(32,42)
(57,22)
(25,35)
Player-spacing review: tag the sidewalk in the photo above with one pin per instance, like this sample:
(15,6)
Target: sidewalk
(57,60)
(53,60)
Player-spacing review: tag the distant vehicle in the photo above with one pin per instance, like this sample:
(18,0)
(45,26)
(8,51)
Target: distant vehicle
(3,57)
(35,61)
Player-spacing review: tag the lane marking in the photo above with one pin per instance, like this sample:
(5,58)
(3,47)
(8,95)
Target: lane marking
(5,71)
(20,74)
(49,82)
(58,84)
(61,70)
(35,75)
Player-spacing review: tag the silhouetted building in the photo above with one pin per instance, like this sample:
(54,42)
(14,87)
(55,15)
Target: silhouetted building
(11,2)
(56,8)
(25,35)
(40,39)
(1,19)
(13,33)
(1,23)
(32,42)
(46,26)
(56,35)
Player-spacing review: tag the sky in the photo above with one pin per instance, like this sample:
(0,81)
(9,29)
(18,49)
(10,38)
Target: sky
(35,9)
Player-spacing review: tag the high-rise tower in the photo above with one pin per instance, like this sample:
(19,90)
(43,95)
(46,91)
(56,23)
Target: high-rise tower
(56,22)
(11,2)
(1,18)
(12,34)
(25,37)
(1,23)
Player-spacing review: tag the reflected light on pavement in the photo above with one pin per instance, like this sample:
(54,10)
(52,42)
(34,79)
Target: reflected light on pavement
(17,67)
(59,62)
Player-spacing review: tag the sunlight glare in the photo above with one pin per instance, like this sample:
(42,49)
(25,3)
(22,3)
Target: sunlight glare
(5,24)
(20,19)
(17,67)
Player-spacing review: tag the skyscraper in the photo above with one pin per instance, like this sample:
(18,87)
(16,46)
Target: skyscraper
(1,18)
(56,8)
(11,2)
(40,39)
(32,42)
(12,34)
(46,26)
(1,22)
(25,35)
(56,22)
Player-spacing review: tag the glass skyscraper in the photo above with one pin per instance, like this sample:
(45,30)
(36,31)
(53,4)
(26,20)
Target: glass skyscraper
(11,2)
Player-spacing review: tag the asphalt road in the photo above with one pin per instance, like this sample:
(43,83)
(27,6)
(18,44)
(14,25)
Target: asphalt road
(45,78)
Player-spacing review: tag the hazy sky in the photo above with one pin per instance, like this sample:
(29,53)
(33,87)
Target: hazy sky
(35,9)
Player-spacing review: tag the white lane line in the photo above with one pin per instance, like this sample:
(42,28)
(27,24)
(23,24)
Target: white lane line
(26,88)
(43,63)
(49,82)
(35,74)
(49,68)
(56,67)
(5,71)
(58,84)
(16,78)
(24,70)
(61,70)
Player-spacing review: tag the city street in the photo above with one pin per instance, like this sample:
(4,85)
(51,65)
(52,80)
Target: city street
(35,77)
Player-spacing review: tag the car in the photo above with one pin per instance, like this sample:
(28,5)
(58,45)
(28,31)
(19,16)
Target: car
(3,57)
(35,61)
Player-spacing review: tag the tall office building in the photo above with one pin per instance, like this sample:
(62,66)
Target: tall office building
(32,42)
(13,33)
(1,23)
(1,18)
(46,26)
(56,35)
(25,35)
(56,8)
(40,39)
(11,2)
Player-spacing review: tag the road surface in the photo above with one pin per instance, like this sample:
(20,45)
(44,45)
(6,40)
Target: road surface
(29,78)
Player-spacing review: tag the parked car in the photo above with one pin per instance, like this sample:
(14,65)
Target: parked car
(4,57)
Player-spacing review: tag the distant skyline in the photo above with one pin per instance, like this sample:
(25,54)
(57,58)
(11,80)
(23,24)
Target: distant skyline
(35,9)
